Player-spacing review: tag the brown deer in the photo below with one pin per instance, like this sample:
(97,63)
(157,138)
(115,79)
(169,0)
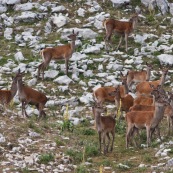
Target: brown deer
(144,87)
(126,101)
(123,28)
(7,95)
(27,95)
(169,113)
(104,126)
(63,52)
(146,119)
(139,76)
(102,94)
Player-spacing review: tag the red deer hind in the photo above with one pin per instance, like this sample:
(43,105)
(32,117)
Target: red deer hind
(104,126)
(63,52)
(27,95)
(123,28)
(7,95)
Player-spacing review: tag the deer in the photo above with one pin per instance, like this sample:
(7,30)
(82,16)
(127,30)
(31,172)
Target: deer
(126,101)
(139,76)
(104,126)
(146,119)
(101,94)
(7,95)
(122,28)
(169,113)
(63,52)
(28,95)
(144,87)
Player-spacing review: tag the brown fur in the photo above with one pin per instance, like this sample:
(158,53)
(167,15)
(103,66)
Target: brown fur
(104,125)
(27,95)
(63,52)
(144,87)
(122,28)
(139,76)
(145,119)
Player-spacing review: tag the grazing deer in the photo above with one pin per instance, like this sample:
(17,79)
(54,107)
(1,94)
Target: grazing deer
(102,94)
(146,119)
(144,87)
(27,95)
(123,28)
(126,101)
(139,76)
(7,95)
(57,53)
(104,126)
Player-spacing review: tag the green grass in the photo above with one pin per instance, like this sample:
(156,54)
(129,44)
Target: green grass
(46,158)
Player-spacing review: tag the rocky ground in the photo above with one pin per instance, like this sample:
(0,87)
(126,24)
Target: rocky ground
(66,140)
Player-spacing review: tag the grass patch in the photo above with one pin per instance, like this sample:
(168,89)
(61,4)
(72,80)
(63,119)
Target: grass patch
(76,156)
(46,158)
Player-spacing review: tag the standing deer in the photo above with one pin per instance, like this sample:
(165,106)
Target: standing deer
(57,53)
(123,28)
(146,119)
(27,95)
(7,95)
(104,126)
(139,76)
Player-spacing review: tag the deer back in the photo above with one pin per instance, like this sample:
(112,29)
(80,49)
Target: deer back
(144,100)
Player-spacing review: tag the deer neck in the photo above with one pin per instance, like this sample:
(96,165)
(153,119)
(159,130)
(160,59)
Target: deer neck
(126,88)
(98,120)
(19,85)
(158,114)
(162,79)
(73,45)
(13,89)
(117,100)
(148,74)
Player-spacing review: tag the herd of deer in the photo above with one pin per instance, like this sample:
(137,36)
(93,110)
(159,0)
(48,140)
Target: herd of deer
(145,111)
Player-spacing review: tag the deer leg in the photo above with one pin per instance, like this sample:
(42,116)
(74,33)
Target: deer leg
(158,133)
(107,148)
(119,42)
(172,122)
(104,142)
(66,65)
(126,38)
(168,120)
(23,108)
(148,135)
(108,36)
(113,138)
(128,134)
(39,69)
(100,141)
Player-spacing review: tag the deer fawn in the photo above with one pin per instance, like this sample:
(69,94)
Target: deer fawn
(144,87)
(7,95)
(102,94)
(123,28)
(104,126)
(57,53)
(146,119)
(27,95)
(139,76)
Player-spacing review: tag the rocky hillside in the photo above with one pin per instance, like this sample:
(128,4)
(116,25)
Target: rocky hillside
(66,141)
